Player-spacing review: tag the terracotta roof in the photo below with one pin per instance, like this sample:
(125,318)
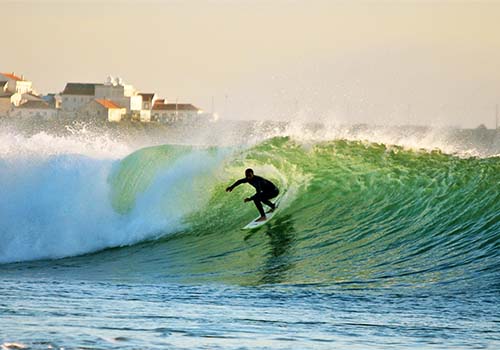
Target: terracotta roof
(79,89)
(108,104)
(35,105)
(174,107)
(11,76)
(146,96)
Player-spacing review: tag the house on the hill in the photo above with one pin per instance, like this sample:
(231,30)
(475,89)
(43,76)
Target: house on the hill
(14,90)
(148,101)
(102,109)
(77,95)
(16,84)
(124,95)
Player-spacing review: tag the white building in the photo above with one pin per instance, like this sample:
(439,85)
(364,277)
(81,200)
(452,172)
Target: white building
(7,99)
(148,101)
(104,110)
(122,94)
(77,95)
(16,84)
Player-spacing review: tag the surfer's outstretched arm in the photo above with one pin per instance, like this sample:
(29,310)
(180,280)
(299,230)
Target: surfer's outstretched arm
(237,183)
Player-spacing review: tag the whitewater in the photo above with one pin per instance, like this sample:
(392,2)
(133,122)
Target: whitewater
(387,237)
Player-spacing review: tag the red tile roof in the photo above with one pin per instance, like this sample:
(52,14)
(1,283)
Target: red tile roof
(107,104)
(11,76)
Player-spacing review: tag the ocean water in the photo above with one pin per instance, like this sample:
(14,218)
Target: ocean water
(382,241)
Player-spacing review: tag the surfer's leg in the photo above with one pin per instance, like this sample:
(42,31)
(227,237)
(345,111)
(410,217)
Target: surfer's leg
(267,197)
(258,204)
(268,203)
(257,200)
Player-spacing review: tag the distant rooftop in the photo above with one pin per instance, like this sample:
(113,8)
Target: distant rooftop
(108,104)
(11,76)
(175,107)
(147,96)
(80,89)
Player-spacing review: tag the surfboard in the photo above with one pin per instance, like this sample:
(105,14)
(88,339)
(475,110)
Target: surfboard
(255,224)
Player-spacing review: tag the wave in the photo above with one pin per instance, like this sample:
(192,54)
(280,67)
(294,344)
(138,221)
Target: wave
(356,212)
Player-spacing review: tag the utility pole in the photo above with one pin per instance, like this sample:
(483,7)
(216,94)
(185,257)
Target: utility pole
(496,118)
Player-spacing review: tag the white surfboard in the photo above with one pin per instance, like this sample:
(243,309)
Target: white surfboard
(255,224)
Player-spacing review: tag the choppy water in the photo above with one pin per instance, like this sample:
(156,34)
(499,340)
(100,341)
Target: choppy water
(374,246)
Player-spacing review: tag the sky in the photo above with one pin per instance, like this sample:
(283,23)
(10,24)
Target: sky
(383,62)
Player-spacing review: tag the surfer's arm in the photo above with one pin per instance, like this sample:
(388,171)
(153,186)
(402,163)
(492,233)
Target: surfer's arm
(237,183)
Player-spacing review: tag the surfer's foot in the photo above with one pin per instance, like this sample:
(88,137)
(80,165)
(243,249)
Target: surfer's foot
(262,218)
(271,208)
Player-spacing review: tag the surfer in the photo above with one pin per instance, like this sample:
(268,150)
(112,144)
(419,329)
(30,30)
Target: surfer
(266,190)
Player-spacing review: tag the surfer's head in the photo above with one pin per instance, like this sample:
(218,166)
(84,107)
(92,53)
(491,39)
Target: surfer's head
(249,174)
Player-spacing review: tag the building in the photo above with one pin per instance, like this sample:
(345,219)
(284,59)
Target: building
(14,90)
(101,109)
(35,109)
(77,95)
(148,101)
(16,84)
(174,112)
(122,94)
(111,101)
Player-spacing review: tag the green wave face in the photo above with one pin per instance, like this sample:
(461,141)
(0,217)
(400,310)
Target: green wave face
(353,214)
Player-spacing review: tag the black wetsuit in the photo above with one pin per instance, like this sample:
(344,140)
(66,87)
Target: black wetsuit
(266,190)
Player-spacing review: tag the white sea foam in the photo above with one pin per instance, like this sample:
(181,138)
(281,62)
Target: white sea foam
(60,205)
(42,144)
